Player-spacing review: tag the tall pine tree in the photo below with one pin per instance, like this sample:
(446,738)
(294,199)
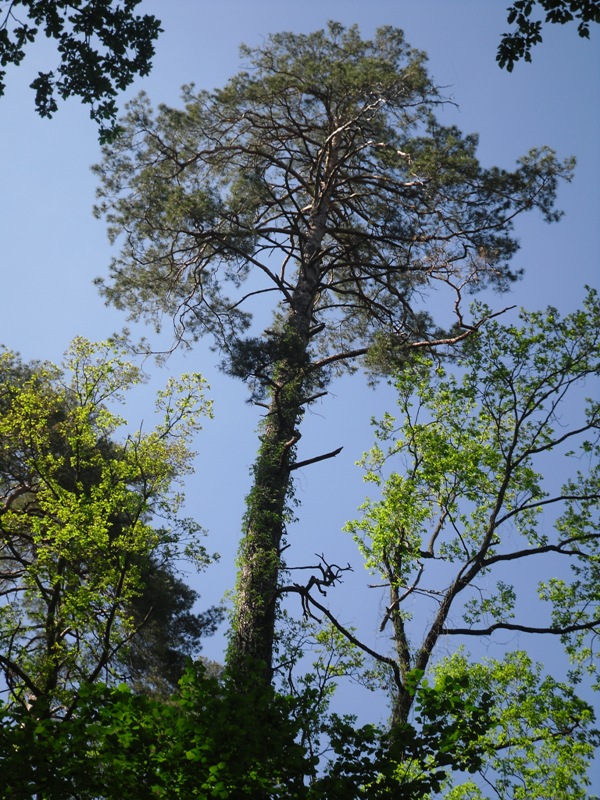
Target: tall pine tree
(320,179)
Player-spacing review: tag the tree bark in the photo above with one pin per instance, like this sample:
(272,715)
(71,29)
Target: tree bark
(251,645)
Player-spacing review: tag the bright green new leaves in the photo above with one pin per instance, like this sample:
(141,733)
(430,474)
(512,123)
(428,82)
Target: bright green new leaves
(79,514)
(467,498)
(540,739)
(490,493)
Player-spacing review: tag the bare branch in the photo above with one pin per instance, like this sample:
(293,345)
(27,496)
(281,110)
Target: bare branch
(314,460)
(511,626)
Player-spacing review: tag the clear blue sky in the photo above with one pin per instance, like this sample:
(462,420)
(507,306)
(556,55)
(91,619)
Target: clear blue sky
(51,247)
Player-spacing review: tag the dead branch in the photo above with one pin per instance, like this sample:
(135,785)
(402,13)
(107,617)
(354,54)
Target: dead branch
(314,460)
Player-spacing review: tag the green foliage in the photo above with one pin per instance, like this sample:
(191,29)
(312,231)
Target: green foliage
(529,734)
(469,445)
(211,741)
(204,743)
(407,761)
(324,155)
(528,30)
(540,740)
(326,152)
(78,516)
(465,503)
(76,525)
(103,46)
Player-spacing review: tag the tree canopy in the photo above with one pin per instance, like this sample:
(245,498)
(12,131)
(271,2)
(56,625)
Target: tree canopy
(103,46)
(527,30)
(79,540)
(466,504)
(470,499)
(301,218)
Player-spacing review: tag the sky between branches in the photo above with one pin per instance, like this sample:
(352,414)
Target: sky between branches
(51,247)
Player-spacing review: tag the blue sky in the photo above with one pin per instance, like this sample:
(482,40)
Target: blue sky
(51,248)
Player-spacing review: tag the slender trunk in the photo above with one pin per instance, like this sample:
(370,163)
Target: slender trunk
(251,646)
(403,699)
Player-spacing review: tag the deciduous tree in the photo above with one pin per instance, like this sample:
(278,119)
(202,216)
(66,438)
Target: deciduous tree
(527,30)
(103,46)
(78,520)
(490,471)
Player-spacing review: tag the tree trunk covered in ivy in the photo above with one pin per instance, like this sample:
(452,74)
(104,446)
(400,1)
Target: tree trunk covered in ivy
(319,178)
(260,552)
(260,561)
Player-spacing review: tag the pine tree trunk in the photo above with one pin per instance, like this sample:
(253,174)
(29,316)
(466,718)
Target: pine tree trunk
(251,646)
